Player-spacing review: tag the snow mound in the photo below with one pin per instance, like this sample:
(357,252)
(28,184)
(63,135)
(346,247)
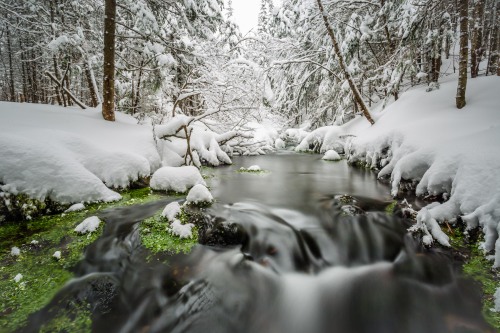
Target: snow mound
(171,211)
(69,155)
(279,144)
(75,208)
(199,194)
(178,179)
(181,230)
(15,251)
(331,155)
(88,225)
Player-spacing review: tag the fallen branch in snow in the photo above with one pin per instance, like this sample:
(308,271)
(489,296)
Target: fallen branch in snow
(60,84)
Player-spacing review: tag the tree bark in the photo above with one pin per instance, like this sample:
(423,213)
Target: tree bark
(477,38)
(12,92)
(464,52)
(90,83)
(108,86)
(494,34)
(354,89)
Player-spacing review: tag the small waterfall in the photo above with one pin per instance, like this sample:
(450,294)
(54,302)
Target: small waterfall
(262,269)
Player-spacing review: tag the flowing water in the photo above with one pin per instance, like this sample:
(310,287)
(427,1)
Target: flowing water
(276,254)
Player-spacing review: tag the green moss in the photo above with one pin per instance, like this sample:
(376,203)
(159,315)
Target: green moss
(389,209)
(478,268)
(156,238)
(76,319)
(43,275)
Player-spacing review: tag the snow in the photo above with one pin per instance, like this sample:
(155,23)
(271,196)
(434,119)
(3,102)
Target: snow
(331,155)
(171,211)
(15,251)
(18,277)
(75,208)
(279,144)
(181,230)
(57,255)
(199,194)
(177,179)
(204,143)
(88,225)
(448,152)
(252,168)
(71,155)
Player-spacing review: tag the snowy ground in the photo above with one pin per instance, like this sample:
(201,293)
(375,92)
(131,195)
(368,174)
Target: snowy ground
(447,152)
(71,155)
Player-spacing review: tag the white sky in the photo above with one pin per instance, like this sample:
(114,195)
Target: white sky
(246,13)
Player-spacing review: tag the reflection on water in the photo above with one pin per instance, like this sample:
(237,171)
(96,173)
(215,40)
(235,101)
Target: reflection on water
(289,263)
(293,181)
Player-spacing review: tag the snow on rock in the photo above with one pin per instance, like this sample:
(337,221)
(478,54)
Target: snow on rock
(69,155)
(331,155)
(181,230)
(171,211)
(75,208)
(15,251)
(178,179)
(18,277)
(279,144)
(57,255)
(252,168)
(199,194)
(448,152)
(88,225)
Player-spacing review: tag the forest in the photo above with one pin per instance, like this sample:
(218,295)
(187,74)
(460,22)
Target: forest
(335,168)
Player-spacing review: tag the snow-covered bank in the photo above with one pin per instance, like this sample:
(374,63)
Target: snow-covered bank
(446,152)
(71,155)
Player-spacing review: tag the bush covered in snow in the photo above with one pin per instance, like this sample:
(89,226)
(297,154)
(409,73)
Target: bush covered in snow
(177,179)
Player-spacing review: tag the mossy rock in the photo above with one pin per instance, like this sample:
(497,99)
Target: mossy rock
(156,237)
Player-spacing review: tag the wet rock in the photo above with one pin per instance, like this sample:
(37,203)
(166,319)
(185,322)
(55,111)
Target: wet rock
(216,231)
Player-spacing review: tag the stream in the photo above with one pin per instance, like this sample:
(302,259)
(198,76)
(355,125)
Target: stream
(277,253)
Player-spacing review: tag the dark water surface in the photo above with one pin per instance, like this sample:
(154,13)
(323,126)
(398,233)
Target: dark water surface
(295,181)
(276,254)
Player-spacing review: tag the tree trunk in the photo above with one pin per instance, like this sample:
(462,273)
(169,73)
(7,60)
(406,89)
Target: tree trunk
(343,66)
(477,38)
(12,92)
(92,92)
(108,85)
(494,34)
(464,52)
